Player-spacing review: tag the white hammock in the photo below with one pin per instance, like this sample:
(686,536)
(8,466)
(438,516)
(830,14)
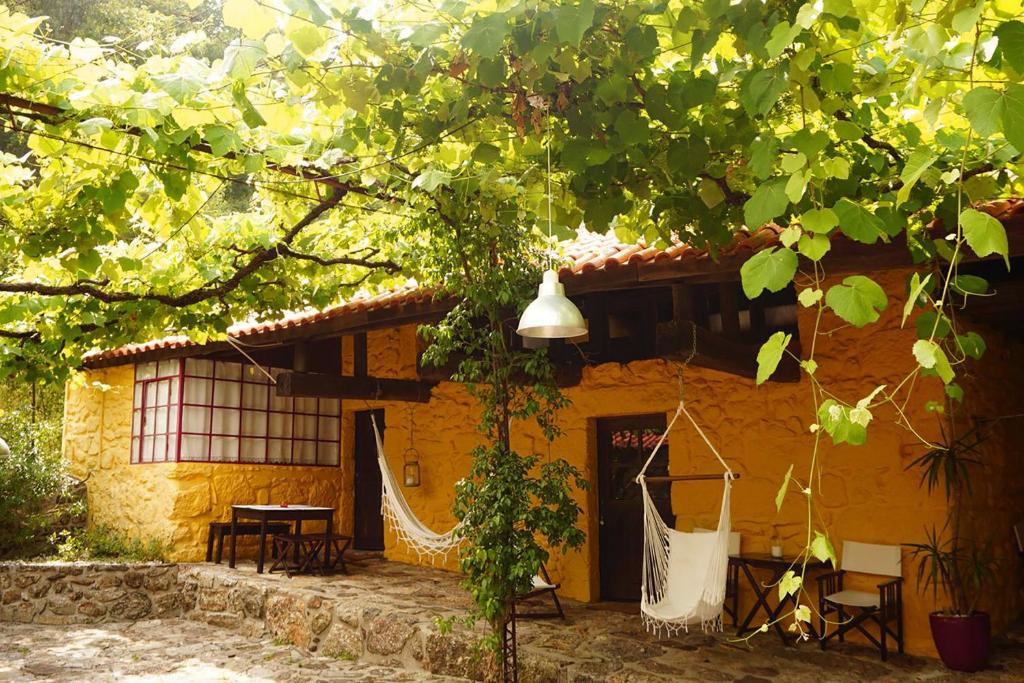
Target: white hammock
(409,529)
(684,574)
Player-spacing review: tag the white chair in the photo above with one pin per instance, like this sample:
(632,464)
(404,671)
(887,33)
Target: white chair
(542,585)
(854,607)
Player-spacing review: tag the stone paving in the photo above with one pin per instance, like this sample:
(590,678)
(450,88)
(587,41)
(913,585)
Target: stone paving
(599,644)
(171,650)
(378,623)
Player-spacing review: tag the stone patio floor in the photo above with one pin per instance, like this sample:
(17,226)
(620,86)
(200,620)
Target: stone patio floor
(178,650)
(595,643)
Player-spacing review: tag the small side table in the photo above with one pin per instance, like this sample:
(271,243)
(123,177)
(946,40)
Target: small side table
(777,568)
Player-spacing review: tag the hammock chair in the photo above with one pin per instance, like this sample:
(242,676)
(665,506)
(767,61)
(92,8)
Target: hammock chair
(684,573)
(395,508)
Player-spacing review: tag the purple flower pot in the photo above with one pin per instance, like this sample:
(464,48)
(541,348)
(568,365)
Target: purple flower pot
(963,642)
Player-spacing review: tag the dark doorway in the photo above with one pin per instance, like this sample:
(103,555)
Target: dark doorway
(623,444)
(369,523)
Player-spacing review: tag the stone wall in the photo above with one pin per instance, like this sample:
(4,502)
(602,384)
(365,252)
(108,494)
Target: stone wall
(340,624)
(87,593)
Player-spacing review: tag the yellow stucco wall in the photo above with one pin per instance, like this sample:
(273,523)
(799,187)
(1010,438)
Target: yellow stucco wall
(865,493)
(174,502)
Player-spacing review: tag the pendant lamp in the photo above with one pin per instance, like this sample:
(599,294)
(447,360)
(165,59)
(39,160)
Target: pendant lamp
(551,315)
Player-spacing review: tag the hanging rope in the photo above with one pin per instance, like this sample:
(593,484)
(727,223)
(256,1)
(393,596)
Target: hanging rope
(683,573)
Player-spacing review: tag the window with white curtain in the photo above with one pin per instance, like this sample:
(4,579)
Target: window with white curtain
(198,410)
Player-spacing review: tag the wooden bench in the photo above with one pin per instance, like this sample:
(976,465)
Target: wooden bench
(219,530)
(307,550)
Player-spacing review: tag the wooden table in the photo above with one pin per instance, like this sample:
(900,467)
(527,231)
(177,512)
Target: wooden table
(777,567)
(265,514)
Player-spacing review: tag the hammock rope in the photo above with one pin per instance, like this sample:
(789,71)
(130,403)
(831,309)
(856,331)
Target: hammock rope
(684,573)
(424,541)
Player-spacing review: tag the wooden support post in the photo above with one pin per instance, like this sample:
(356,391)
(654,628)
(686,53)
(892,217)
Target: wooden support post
(338,386)
(360,359)
(300,359)
(728,308)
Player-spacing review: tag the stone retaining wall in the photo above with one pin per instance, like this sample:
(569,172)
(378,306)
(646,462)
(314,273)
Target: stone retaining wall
(350,627)
(87,593)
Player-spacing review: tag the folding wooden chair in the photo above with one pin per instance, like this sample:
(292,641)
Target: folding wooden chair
(542,585)
(855,608)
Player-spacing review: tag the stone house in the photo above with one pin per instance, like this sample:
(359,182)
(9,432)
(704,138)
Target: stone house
(171,433)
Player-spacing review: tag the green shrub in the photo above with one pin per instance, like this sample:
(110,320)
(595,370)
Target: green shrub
(36,496)
(106,543)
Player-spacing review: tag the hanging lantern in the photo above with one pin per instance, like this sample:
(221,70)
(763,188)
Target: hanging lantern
(551,315)
(411,469)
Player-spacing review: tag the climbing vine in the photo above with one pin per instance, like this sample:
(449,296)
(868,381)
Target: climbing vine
(355,129)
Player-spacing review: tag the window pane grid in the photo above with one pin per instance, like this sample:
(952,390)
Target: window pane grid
(217,411)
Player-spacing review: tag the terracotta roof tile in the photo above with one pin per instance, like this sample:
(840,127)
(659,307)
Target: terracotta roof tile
(588,254)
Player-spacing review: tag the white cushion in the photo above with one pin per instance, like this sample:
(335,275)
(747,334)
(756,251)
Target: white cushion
(540,584)
(854,599)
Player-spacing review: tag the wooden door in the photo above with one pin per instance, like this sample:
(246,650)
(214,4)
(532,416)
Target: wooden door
(624,443)
(368,523)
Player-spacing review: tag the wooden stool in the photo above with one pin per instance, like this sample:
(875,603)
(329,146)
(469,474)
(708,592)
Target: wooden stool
(218,530)
(308,549)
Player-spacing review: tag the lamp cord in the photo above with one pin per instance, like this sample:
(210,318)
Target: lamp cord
(548,146)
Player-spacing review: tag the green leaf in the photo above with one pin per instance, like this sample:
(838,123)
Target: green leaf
(306,38)
(822,549)
(970,284)
(848,130)
(984,109)
(858,223)
(1011,44)
(770,354)
(770,269)
(710,193)
(984,234)
(631,127)
(835,419)
(1013,115)
(768,201)
(930,356)
(917,286)
(181,86)
(242,56)
(819,220)
(572,21)
(809,296)
(814,247)
(761,89)
(487,35)
(250,115)
(486,153)
(781,495)
(431,178)
(973,344)
(858,300)
(916,164)
(789,584)
(428,33)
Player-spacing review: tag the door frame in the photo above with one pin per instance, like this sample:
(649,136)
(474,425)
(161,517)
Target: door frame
(358,416)
(598,426)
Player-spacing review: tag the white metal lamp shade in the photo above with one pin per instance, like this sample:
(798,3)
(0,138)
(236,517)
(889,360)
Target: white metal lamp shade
(551,315)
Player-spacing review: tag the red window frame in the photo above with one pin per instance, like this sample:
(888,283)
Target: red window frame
(319,413)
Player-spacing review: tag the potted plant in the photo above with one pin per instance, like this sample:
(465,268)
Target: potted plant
(949,562)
